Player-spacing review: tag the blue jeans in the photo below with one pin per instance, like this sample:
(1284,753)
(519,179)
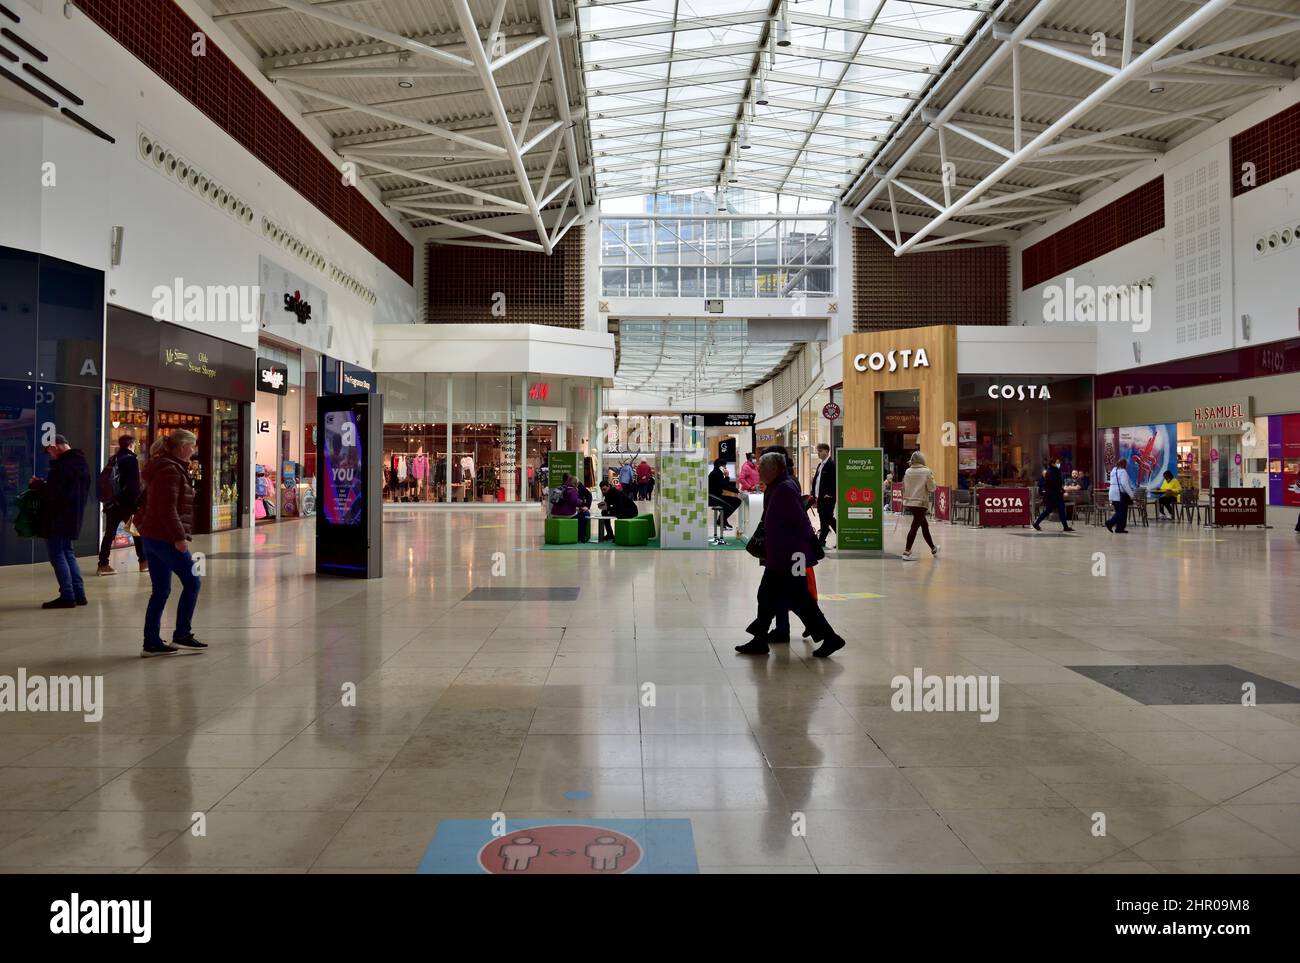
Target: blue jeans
(163,561)
(66,570)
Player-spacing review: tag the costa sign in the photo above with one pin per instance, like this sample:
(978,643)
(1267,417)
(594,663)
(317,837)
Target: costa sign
(1003,507)
(1020,392)
(1239,506)
(906,358)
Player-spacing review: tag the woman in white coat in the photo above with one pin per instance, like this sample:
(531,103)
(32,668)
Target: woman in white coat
(918,483)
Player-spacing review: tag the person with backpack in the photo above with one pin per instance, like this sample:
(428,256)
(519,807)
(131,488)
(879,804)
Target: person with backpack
(63,494)
(119,490)
(165,520)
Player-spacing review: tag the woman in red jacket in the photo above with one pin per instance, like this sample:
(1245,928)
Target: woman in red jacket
(166,525)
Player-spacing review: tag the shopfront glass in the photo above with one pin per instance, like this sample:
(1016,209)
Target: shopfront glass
(480,437)
(284,439)
(1009,427)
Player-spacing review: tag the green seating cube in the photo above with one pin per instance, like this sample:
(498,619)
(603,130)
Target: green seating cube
(561,531)
(650,520)
(631,531)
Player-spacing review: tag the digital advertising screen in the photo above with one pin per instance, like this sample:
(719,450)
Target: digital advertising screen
(343,495)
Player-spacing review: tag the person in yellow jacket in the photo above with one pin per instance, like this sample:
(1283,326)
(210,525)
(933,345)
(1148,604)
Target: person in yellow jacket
(1170,490)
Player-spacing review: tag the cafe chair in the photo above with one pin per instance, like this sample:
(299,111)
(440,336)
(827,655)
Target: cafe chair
(963,507)
(1141,507)
(1100,507)
(1189,505)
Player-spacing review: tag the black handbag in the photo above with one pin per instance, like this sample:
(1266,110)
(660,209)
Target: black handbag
(757,544)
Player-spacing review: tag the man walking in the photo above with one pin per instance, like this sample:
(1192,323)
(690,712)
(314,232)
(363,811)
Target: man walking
(823,492)
(63,503)
(1121,496)
(119,490)
(1053,497)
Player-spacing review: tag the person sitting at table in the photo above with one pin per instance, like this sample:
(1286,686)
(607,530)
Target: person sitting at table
(1170,489)
(721,494)
(617,504)
(1084,481)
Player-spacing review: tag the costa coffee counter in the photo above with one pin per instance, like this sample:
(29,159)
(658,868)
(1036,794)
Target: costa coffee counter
(903,392)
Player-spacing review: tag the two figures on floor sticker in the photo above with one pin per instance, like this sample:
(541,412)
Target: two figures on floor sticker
(604,853)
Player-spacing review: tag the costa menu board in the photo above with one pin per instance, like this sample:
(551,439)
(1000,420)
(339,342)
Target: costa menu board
(1239,506)
(1003,507)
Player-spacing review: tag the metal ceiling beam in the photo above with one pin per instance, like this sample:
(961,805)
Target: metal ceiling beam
(280,11)
(412,101)
(551,27)
(377,33)
(1139,65)
(371,50)
(438,182)
(472,228)
(431,130)
(483,65)
(1115,46)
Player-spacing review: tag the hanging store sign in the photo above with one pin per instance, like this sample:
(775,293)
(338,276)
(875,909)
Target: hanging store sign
(272,377)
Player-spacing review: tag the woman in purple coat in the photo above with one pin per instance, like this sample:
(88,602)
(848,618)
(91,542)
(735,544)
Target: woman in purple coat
(790,550)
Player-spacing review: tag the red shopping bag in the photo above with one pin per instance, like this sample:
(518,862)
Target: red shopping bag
(812,584)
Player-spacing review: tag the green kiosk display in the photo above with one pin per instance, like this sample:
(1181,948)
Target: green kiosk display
(559,531)
(859,476)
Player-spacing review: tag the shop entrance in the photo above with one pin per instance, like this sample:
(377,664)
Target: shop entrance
(899,428)
(200,462)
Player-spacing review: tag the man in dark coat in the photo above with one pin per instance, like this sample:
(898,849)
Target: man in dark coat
(790,550)
(63,504)
(1053,487)
(119,509)
(823,490)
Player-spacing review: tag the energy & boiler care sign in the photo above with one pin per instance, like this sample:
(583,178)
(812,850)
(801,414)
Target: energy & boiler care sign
(861,501)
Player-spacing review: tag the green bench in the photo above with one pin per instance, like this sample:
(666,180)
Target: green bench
(631,531)
(561,530)
(650,520)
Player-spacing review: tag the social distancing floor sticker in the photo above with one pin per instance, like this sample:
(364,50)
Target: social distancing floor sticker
(527,847)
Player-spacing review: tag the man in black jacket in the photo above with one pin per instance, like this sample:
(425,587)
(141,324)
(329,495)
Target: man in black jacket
(1053,486)
(617,504)
(823,490)
(121,506)
(63,504)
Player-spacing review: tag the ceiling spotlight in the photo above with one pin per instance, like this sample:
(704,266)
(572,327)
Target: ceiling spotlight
(720,199)
(743,140)
(1156,86)
(760,92)
(782,33)
(406,83)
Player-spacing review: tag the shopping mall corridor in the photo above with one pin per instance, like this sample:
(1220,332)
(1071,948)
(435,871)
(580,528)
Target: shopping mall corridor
(534,708)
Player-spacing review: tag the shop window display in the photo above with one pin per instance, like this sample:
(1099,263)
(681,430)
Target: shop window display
(1009,427)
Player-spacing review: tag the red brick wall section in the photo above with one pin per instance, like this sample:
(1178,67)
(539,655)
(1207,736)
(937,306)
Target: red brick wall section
(932,287)
(463,282)
(1122,221)
(160,35)
(1272,145)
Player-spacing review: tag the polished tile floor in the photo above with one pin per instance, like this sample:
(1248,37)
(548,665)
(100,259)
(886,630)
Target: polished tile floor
(534,708)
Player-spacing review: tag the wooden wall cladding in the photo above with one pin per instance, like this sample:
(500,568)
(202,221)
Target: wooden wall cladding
(160,35)
(932,287)
(937,384)
(462,284)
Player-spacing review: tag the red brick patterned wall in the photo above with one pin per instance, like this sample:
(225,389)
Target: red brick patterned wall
(932,287)
(160,35)
(1272,145)
(463,282)
(1125,219)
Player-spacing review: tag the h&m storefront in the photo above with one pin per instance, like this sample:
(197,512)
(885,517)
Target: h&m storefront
(902,392)
(460,437)
(162,377)
(1226,420)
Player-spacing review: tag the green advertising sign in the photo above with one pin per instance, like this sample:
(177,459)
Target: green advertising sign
(859,477)
(559,464)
